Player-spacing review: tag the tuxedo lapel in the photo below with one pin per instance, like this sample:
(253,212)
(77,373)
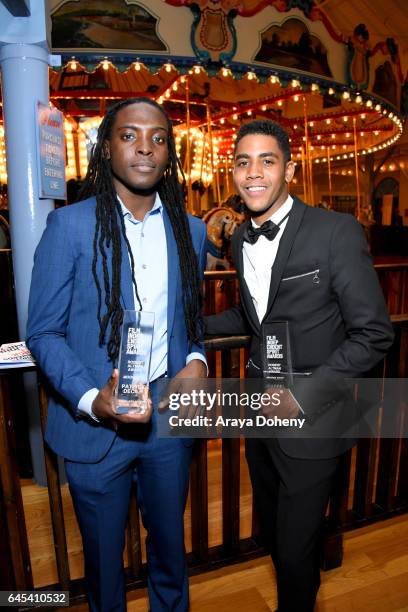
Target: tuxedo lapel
(173,272)
(245,294)
(285,247)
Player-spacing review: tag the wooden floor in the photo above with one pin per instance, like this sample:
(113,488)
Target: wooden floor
(373,577)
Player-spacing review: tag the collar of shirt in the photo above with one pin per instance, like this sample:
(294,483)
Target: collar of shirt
(280,213)
(127,215)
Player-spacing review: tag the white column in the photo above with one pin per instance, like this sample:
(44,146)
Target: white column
(24,70)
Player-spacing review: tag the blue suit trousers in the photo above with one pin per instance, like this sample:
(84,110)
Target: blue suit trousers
(101,493)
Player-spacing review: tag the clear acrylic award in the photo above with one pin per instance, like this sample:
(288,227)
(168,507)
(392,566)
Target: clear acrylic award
(132,391)
(276,353)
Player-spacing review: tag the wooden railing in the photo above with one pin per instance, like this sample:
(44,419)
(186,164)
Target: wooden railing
(376,469)
(371,483)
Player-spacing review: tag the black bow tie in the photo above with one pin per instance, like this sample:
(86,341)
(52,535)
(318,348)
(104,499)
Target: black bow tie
(267,229)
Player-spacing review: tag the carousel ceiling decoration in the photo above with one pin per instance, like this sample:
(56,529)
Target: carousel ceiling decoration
(336,85)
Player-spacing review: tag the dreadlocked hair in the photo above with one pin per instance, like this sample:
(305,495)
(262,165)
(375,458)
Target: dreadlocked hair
(110,227)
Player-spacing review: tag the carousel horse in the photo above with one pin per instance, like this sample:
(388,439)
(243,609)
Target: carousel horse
(221,224)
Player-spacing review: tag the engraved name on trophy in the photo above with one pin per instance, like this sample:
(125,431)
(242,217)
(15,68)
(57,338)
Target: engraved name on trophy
(132,392)
(276,353)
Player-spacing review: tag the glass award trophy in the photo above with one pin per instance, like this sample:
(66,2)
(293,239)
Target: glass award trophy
(132,391)
(276,353)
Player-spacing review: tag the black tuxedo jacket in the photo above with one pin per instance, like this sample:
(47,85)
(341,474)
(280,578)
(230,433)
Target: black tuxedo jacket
(339,326)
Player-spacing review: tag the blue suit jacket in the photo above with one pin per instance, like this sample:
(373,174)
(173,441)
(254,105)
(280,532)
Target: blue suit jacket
(63,330)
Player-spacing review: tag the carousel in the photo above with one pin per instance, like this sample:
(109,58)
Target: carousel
(337,88)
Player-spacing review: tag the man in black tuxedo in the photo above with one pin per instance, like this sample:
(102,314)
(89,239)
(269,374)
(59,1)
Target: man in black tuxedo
(309,267)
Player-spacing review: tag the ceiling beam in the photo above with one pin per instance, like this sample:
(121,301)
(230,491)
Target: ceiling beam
(18,8)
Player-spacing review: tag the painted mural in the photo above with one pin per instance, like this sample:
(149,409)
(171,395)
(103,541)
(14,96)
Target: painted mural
(107,25)
(357,57)
(291,45)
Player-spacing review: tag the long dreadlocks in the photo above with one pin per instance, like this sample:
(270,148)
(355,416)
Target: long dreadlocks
(110,227)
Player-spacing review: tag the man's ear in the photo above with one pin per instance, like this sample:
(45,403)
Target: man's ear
(106,149)
(289,171)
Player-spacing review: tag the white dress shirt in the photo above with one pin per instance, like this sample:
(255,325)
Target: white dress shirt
(259,258)
(147,239)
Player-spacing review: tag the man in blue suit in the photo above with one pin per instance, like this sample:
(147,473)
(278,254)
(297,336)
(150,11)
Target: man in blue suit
(129,244)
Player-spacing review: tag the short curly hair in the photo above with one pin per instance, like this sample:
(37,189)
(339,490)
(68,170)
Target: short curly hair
(267,127)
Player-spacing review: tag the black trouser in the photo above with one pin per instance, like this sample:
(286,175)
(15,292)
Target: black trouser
(291,497)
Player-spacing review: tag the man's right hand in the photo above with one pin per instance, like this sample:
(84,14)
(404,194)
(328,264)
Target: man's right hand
(103,405)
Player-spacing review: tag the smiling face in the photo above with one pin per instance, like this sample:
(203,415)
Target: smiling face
(261,175)
(137,149)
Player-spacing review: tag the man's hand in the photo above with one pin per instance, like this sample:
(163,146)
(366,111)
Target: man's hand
(288,407)
(103,405)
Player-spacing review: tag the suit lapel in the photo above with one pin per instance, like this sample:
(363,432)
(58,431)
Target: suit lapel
(285,247)
(126,283)
(173,272)
(246,296)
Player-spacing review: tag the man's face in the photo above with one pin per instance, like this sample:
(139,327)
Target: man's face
(261,175)
(138,148)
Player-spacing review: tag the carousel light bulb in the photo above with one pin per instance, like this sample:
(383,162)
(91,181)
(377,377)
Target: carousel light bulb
(224,72)
(359,99)
(167,67)
(314,87)
(328,121)
(167,94)
(346,95)
(331,91)
(280,102)
(105,64)
(273,79)
(138,66)
(249,113)
(197,69)
(345,119)
(295,83)
(378,107)
(73,65)
(264,107)
(296,98)
(235,116)
(369,103)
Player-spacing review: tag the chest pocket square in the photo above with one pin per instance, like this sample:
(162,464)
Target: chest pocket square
(313,275)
